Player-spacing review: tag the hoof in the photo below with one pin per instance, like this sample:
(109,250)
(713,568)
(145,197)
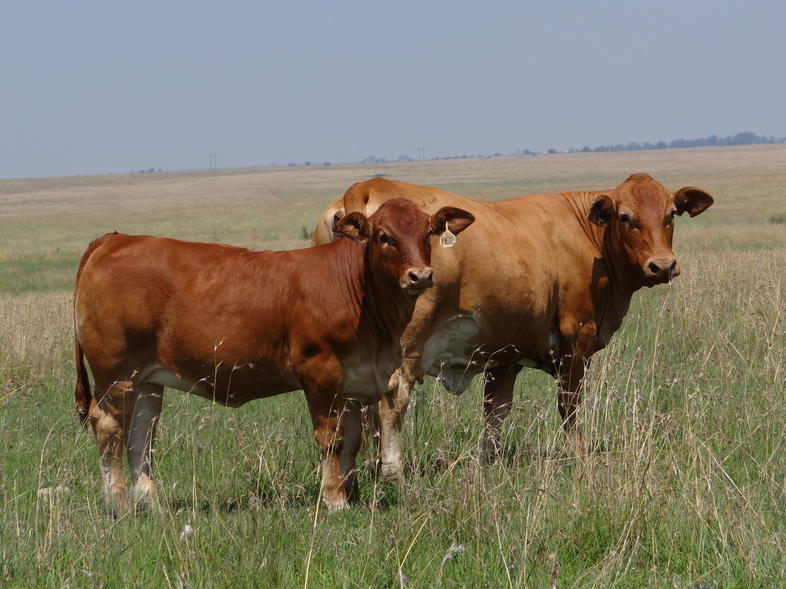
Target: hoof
(336,506)
(118,506)
(489,452)
(390,471)
(574,446)
(145,495)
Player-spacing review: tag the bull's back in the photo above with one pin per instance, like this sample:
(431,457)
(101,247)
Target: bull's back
(504,272)
(367,196)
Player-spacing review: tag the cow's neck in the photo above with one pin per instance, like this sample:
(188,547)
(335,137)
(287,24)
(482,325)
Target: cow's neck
(613,288)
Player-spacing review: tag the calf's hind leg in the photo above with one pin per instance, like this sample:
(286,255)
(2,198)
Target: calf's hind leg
(139,441)
(110,412)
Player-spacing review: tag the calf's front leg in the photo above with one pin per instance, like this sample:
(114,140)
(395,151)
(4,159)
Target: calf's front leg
(334,427)
(327,409)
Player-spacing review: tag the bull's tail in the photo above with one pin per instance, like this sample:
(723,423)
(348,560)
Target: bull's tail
(82,396)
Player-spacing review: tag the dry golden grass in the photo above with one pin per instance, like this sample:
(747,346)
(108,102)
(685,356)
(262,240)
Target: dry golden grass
(685,410)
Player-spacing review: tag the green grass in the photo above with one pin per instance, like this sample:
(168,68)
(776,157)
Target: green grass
(684,411)
(777,218)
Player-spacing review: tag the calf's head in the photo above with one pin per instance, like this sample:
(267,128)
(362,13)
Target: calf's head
(639,220)
(398,237)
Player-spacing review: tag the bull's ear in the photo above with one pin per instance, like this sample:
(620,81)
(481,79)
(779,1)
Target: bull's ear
(455,219)
(337,216)
(355,226)
(602,210)
(692,201)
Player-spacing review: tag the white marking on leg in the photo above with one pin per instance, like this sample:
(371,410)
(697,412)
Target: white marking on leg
(391,461)
(106,480)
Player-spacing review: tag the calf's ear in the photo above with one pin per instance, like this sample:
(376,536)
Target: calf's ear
(355,226)
(456,220)
(692,201)
(602,210)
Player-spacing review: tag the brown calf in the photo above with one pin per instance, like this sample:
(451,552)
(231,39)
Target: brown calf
(234,325)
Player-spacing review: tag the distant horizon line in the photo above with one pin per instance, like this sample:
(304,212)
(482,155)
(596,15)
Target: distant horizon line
(741,138)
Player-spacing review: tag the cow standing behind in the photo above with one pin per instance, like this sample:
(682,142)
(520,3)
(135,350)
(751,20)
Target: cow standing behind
(234,325)
(541,281)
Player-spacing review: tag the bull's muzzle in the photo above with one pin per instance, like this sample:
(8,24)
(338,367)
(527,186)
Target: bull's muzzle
(418,279)
(663,269)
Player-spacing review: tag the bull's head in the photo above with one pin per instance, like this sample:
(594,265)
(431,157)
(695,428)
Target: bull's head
(639,220)
(398,236)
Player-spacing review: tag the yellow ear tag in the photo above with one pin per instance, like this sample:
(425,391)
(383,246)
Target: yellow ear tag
(447,239)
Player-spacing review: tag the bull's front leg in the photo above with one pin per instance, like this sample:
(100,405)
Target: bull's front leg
(570,378)
(392,408)
(497,400)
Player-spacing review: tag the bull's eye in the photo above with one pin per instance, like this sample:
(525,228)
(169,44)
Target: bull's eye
(669,220)
(625,219)
(385,239)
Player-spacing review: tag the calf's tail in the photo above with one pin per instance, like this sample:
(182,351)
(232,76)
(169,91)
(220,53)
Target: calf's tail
(82,395)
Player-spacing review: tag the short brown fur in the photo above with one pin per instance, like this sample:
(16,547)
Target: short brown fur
(235,325)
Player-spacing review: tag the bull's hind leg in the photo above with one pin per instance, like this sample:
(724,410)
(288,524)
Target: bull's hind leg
(139,442)
(109,413)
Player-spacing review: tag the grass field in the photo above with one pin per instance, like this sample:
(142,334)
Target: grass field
(685,410)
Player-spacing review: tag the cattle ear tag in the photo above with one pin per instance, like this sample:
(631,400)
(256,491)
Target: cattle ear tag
(447,239)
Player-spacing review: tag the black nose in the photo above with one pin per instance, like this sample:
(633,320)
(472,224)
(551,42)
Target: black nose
(420,277)
(662,267)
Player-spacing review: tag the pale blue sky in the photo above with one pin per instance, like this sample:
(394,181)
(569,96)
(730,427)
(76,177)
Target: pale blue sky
(104,86)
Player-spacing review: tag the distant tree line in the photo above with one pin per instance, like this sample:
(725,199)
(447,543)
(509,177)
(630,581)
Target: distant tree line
(742,138)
